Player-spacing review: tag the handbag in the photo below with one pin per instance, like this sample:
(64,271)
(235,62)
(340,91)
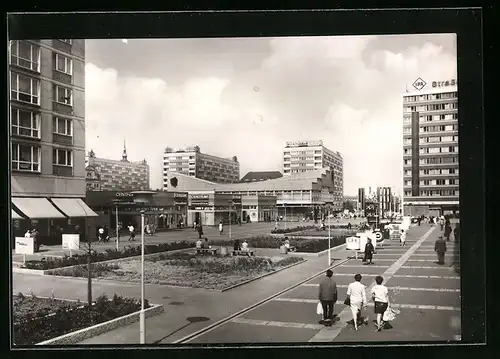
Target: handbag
(347,301)
(319,309)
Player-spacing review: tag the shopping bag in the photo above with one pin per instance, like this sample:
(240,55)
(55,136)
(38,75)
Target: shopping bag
(319,309)
(390,314)
(347,301)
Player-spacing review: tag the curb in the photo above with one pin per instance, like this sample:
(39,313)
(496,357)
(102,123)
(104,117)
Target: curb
(318,254)
(86,333)
(228,318)
(262,276)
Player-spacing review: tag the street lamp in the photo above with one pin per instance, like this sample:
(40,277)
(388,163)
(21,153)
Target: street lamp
(117,230)
(142,329)
(329,241)
(229,212)
(284,205)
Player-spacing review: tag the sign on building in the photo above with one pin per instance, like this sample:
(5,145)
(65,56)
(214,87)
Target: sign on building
(353,243)
(419,84)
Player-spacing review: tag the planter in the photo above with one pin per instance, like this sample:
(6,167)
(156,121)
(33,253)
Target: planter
(86,333)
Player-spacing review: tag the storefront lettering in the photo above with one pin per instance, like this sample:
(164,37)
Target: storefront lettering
(180,195)
(452,82)
(123,194)
(199,196)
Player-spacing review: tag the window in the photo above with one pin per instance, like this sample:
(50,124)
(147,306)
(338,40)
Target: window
(24,88)
(64,64)
(25,158)
(62,126)
(407,151)
(25,123)
(24,54)
(62,157)
(68,41)
(63,95)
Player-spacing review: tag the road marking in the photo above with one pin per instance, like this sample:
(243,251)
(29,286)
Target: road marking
(399,288)
(356,266)
(329,335)
(395,305)
(424,276)
(277,324)
(425,267)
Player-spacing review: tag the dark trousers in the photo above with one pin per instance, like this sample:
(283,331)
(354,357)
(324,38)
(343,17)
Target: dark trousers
(327,309)
(440,257)
(368,257)
(199,235)
(441,227)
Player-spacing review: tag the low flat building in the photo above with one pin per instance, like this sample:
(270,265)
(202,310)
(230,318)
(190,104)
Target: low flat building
(260,176)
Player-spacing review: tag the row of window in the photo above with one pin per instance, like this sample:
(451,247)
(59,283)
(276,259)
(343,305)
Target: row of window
(28,89)
(295,153)
(28,124)
(435,182)
(435,171)
(437,160)
(28,157)
(443,117)
(433,107)
(440,128)
(429,97)
(27,55)
(435,193)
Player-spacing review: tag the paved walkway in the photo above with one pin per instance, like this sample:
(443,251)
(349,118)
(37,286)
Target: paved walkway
(186,310)
(427,294)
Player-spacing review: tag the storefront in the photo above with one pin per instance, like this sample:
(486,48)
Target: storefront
(259,208)
(208,208)
(164,210)
(51,217)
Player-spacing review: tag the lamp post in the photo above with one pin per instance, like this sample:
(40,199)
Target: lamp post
(142,329)
(329,242)
(284,205)
(117,230)
(229,212)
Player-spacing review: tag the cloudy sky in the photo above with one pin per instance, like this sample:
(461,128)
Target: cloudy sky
(247,97)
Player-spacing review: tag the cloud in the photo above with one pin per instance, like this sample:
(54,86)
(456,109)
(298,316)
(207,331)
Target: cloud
(343,90)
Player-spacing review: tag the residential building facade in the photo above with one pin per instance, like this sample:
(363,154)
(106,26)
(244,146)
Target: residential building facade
(47,134)
(192,162)
(361,199)
(385,201)
(305,156)
(117,175)
(430,150)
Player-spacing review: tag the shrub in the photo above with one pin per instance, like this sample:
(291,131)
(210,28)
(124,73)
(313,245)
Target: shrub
(109,254)
(289,230)
(31,329)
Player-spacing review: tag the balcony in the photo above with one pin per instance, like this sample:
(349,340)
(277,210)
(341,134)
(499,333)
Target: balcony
(62,139)
(64,171)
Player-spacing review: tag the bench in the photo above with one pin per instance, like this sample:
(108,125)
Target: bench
(243,253)
(213,251)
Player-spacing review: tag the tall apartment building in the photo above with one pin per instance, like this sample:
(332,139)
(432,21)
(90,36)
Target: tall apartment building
(361,199)
(116,175)
(47,135)
(192,162)
(47,117)
(304,156)
(430,149)
(385,200)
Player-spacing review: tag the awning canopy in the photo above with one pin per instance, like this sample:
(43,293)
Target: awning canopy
(35,208)
(73,207)
(15,215)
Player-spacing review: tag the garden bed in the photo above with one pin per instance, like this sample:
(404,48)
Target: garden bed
(304,245)
(187,270)
(109,254)
(291,230)
(334,232)
(40,319)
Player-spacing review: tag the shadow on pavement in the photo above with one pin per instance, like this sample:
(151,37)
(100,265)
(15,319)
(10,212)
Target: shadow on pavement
(191,320)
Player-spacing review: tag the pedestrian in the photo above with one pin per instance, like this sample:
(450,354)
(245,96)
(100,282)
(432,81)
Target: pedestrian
(447,232)
(276,225)
(221,228)
(456,232)
(105,233)
(194,226)
(131,232)
(402,237)
(419,220)
(440,249)
(356,292)
(244,246)
(100,236)
(27,234)
(369,249)
(441,222)
(200,231)
(327,296)
(206,244)
(380,295)
(237,246)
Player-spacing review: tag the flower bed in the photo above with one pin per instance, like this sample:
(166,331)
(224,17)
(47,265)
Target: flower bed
(189,270)
(109,254)
(290,230)
(35,320)
(318,232)
(306,245)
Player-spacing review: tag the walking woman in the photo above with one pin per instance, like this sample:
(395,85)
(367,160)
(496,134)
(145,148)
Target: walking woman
(369,249)
(380,296)
(403,237)
(357,298)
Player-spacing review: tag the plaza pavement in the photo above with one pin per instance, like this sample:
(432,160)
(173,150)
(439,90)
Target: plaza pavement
(428,296)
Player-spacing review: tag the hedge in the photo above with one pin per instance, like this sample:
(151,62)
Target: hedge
(290,230)
(109,254)
(36,329)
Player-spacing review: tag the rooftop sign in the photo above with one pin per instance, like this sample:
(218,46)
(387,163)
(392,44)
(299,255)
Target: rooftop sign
(419,84)
(304,143)
(451,82)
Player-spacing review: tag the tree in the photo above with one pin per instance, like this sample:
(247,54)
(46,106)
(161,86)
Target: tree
(349,206)
(89,247)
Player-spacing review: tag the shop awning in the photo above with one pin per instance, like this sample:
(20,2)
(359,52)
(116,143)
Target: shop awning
(15,215)
(35,208)
(73,207)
